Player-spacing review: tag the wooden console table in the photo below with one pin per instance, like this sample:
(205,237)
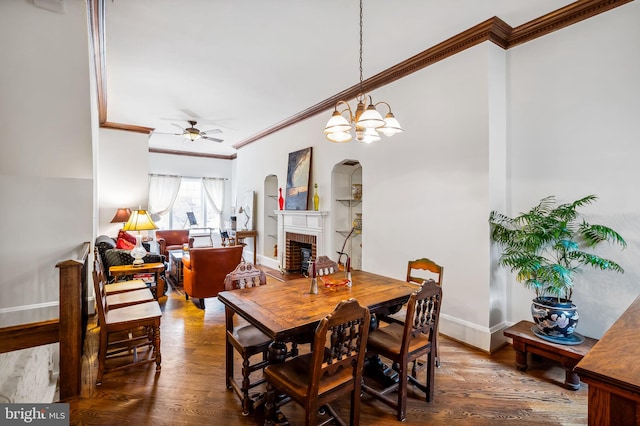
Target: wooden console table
(155,268)
(612,372)
(568,355)
(252,233)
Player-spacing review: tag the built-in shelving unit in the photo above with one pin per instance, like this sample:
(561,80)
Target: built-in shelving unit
(270,218)
(345,208)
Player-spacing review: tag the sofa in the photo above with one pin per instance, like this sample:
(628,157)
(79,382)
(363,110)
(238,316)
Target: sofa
(205,269)
(111,255)
(172,239)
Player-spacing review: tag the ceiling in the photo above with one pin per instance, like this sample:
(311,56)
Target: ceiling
(244,66)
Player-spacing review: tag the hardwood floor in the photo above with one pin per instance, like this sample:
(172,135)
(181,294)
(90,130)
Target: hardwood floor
(472,387)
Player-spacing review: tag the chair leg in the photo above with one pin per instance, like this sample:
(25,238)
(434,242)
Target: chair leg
(201,300)
(270,405)
(311,414)
(229,363)
(156,345)
(401,413)
(102,355)
(246,402)
(431,372)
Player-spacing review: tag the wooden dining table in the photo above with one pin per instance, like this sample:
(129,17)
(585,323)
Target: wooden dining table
(284,311)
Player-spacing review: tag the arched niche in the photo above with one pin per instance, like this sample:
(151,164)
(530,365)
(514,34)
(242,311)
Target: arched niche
(270,220)
(346,208)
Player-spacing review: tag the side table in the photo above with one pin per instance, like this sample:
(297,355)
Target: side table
(568,355)
(175,266)
(249,233)
(156,268)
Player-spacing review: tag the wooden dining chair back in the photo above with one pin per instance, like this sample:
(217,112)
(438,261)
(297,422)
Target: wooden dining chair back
(126,331)
(404,343)
(332,369)
(244,276)
(124,298)
(245,338)
(117,287)
(435,271)
(424,264)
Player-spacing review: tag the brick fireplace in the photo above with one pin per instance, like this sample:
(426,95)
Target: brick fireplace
(296,229)
(294,243)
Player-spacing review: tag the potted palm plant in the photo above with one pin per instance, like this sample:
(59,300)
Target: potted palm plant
(546,247)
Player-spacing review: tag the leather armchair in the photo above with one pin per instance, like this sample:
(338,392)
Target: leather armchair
(172,239)
(205,269)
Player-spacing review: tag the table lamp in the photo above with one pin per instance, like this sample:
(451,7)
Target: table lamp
(139,221)
(121,216)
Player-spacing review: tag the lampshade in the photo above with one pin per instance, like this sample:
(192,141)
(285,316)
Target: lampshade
(121,216)
(391,125)
(339,137)
(370,119)
(337,123)
(139,221)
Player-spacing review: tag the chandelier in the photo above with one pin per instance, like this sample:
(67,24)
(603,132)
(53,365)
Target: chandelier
(367,121)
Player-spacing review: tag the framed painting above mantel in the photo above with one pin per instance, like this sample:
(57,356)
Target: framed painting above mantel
(298,175)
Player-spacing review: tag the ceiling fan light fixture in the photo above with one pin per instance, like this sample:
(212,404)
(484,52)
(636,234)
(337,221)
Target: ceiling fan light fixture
(191,134)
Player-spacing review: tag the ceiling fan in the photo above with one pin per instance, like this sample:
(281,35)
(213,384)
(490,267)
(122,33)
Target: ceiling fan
(191,133)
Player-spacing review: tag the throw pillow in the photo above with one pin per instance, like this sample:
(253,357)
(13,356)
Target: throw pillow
(127,236)
(124,244)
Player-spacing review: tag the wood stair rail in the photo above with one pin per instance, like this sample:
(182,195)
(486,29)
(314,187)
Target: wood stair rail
(68,329)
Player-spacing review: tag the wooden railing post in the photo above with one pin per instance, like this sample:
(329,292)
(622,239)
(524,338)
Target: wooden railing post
(72,286)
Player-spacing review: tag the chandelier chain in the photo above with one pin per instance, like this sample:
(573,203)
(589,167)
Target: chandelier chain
(361,91)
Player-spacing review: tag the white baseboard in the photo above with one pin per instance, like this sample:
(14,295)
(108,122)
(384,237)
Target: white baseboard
(487,339)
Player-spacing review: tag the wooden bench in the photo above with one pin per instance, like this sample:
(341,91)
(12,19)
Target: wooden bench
(567,355)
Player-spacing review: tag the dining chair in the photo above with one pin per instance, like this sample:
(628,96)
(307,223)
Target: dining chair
(124,331)
(117,287)
(402,343)
(436,271)
(315,379)
(245,338)
(122,299)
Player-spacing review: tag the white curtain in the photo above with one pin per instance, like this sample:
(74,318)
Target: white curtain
(163,190)
(214,188)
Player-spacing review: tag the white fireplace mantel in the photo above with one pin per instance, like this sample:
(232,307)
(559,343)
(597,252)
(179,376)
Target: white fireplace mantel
(309,222)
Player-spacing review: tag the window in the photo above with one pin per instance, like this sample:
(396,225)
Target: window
(191,198)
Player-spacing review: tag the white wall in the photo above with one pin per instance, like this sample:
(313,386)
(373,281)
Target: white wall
(425,192)
(122,175)
(474,127)
(45,169)
(574,131)
(46,173)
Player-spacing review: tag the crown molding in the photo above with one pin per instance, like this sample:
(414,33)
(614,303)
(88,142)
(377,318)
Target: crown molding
(494,30)
(192,154)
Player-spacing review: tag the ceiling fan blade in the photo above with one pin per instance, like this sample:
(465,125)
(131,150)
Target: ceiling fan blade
(178,126)
(211,139)
(163,133)
(206,132)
